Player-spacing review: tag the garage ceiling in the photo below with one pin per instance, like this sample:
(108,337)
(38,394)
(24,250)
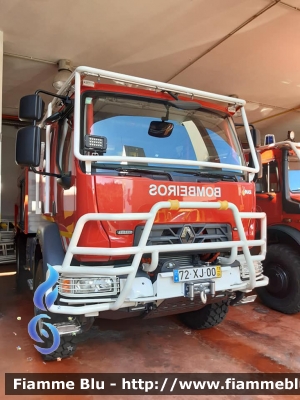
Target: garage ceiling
(250,48)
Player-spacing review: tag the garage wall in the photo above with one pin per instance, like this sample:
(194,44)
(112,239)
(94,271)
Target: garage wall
(10,172)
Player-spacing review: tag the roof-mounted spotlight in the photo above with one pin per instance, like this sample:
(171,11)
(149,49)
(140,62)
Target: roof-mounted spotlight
(64,72)
(291,136)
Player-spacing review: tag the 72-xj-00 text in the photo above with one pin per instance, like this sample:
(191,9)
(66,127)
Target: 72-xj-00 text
(192,274)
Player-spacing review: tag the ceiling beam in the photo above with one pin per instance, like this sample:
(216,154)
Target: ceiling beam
(29,58)
(290,6)
(252,18)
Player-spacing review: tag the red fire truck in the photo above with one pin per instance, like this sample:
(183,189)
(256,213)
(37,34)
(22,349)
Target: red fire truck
(137,193)
(278,195)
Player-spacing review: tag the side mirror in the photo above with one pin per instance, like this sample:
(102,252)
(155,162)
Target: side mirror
(160,129)
(31,108)
(28,146)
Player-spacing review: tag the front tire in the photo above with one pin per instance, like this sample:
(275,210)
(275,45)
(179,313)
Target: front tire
(66,349)
(282,267)
(207,317)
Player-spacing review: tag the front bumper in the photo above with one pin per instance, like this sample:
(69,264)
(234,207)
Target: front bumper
(233,278)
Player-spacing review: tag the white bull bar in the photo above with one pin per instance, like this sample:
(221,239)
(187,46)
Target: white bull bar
(142,248)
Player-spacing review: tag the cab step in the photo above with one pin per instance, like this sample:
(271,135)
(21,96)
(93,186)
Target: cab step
(245,300)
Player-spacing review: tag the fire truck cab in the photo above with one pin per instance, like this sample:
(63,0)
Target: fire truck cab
(136,201)
(278,195)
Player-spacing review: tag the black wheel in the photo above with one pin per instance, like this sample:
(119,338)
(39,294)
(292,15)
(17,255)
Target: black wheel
(68,343)
(20,243)
(66,348)
(207,317)
(282,267)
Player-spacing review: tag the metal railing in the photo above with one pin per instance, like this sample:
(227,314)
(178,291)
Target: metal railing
(75,81)
(142,248)
(7,242)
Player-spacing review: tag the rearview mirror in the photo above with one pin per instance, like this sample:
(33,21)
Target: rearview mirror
(28,146)
(160,129)
(31,108)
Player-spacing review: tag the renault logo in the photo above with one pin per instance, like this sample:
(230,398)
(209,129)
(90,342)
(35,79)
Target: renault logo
(187,235)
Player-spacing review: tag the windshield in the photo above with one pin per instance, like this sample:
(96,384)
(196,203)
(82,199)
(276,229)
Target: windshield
(198,135)
(294,174)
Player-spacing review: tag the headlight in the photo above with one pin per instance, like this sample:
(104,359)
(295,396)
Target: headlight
(93,285)
(89,286)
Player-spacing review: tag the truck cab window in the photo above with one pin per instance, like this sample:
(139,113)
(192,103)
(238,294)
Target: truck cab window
(197,135)
(294,173)
(270,179)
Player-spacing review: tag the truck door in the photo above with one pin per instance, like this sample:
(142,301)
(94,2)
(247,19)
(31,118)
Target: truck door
(268,195)
(65,186)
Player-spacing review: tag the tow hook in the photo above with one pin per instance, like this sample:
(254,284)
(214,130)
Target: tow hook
(201,288)
(203,297)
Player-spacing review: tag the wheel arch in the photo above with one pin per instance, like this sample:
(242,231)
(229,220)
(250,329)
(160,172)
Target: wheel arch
(50,244)
(285,235)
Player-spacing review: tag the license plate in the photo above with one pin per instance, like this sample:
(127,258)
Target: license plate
(196,273)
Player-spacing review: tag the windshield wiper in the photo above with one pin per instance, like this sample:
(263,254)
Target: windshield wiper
(140,172)
(223,177)
(132,171)
(208,176)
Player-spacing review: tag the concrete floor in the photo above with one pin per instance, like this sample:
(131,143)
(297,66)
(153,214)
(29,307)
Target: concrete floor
(251,339)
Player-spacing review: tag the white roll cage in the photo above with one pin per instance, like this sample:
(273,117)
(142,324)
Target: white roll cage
(74,84)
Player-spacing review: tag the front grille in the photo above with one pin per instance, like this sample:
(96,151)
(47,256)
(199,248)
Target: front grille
(177,234)
(182,260)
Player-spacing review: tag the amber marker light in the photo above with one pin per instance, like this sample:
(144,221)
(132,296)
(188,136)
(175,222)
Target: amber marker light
(66,285)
